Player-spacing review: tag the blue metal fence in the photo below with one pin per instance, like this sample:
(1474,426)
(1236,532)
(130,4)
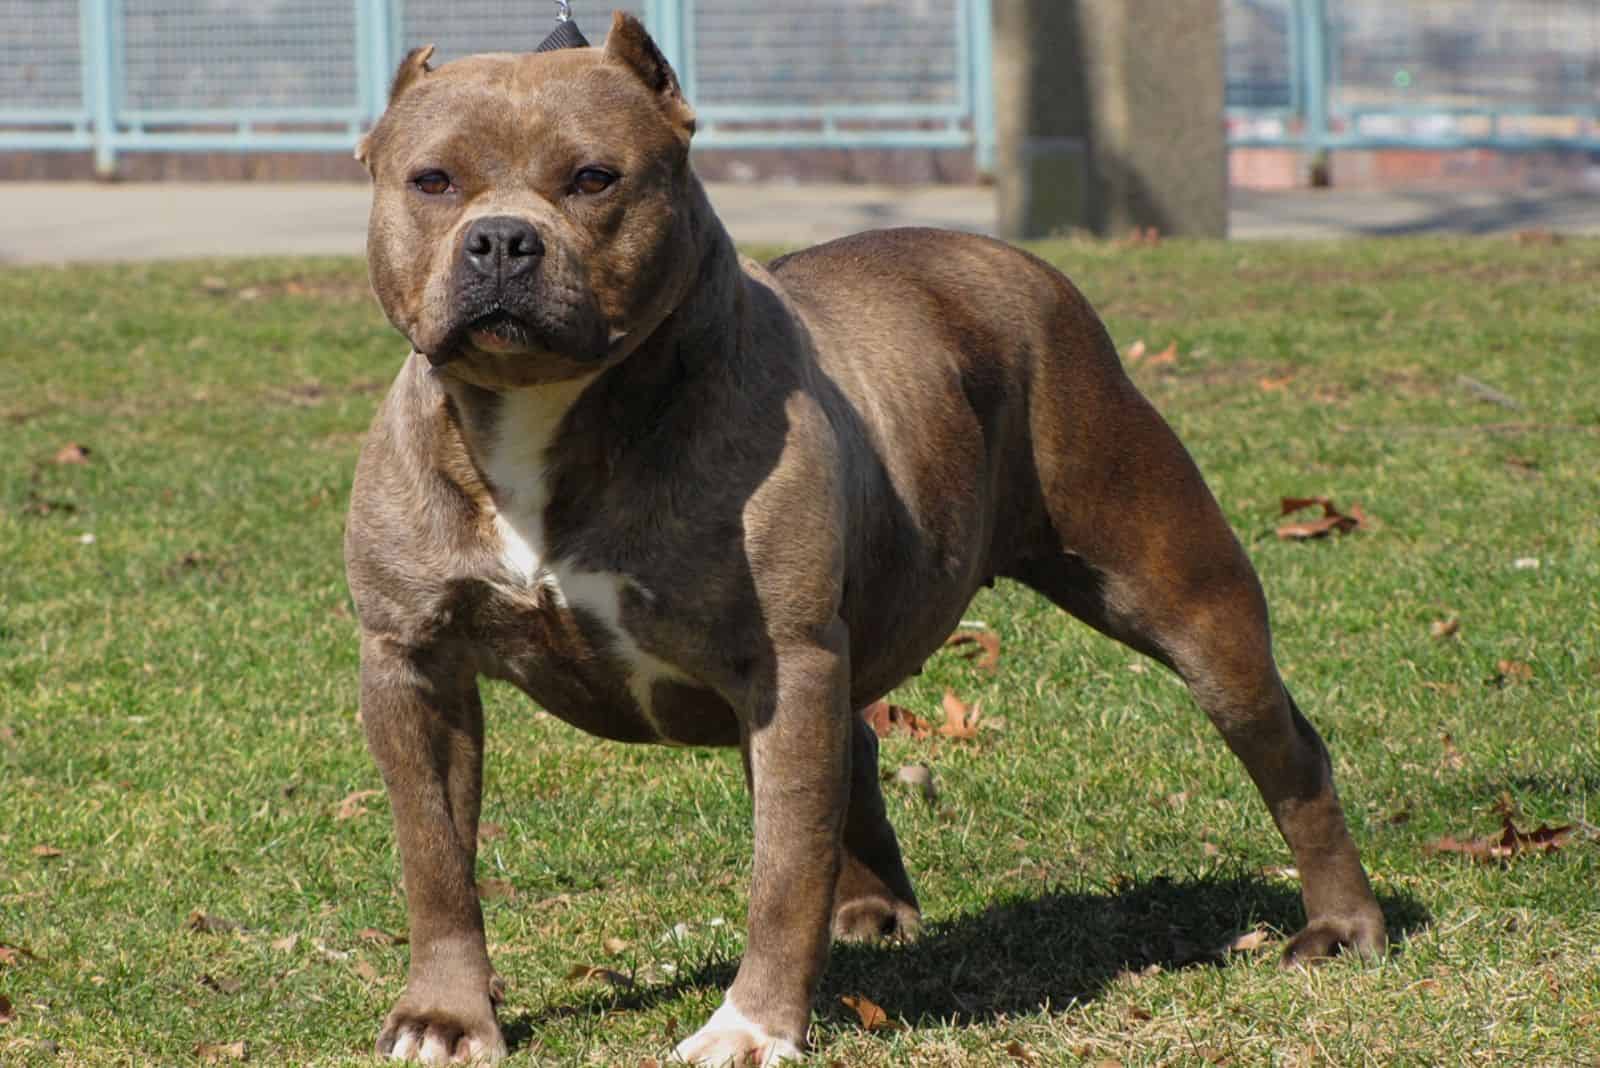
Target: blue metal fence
(295,75)
(309,75)
(1434,74)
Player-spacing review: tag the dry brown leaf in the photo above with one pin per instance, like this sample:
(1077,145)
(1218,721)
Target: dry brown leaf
(1453,760)
(614,945)
(886,719)
(217,1052)
(1167,357)
(1509,843)
(872,1017)
(1136,351)
(224,985)
(919,777)
(201,923)
(1510,671)
(1332,519)
(1445,628)
(382,938)
(46,852)
(286,944)
(1020,1053)
(1250,941)
(72,453)
(7,1013)
(367,971)
(582,973)
(1275,385)
(15,954)
(352,806)
(488,832)
(496,889)
(987,654)
(960,719)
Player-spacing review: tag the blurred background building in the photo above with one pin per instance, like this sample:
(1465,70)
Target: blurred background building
(1342,91)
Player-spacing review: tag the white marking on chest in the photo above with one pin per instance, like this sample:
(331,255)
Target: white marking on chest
(517,464)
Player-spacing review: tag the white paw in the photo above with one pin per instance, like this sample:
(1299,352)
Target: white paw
(729,1038)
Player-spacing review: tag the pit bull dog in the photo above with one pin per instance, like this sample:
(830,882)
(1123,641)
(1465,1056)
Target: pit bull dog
(681,498)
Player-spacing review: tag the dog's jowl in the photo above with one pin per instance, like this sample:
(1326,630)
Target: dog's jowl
(678,497)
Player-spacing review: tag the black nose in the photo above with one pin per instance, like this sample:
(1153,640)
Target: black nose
(502,246)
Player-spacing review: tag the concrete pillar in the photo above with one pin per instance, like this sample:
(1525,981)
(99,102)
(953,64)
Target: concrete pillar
(1108,117)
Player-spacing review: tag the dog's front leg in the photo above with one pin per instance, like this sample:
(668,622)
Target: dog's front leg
(424,725)
(797,755)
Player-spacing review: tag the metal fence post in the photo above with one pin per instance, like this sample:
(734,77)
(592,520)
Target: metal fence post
(664,19)
(100,65)
(1314,20)
(981,22)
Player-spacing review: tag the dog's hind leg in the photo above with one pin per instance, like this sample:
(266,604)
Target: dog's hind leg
(1133,543)
(873,898)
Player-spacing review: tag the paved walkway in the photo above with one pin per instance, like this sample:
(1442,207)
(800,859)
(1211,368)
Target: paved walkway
(77,222)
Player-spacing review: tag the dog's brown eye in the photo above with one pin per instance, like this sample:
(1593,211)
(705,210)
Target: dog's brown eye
(433,183)
(592,180)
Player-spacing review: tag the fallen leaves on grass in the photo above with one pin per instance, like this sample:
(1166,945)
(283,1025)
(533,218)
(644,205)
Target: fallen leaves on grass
(204,923)
(46,852)
(286,944)
(352,806)
(960,719)
(920,778)
(488,832)
(1509,671)
(15,954)
(367,970)
(382,938)
(987,653)
(71,453)
(1509,843)
(223,985)
(886,719)
(1332,519)
(1453,760)
(613,945)
(582,973)
(872,1017)
(1138,355)
(1250,941)
(1021,1053)
(7,1013)
(1445,628)
(218,1052)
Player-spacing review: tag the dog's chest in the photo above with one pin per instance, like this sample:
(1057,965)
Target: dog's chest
(516,463)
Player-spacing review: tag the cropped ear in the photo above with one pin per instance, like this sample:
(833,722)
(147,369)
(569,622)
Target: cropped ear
(629,42)
(414,66)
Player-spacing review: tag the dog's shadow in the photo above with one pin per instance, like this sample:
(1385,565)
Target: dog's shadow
(1024,955)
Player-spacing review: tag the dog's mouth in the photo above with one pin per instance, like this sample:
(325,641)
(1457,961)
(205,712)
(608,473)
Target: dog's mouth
(499,333)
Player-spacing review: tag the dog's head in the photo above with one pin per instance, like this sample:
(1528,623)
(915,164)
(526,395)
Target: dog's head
(528,213)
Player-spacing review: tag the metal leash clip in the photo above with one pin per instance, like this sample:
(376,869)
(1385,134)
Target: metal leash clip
(566,34)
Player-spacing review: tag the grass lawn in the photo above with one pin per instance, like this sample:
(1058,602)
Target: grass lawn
(179,749)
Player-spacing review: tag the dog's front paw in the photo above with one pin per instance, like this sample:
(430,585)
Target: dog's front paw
(1363,935)
(442,1032)
(729,1038)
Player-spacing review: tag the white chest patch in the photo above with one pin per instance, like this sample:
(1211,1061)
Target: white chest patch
(517,466)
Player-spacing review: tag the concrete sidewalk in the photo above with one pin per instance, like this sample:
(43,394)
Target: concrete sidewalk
(81,222)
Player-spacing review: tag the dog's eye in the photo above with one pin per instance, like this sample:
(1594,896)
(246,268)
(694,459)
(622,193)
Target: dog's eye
(592,180)
(433,183)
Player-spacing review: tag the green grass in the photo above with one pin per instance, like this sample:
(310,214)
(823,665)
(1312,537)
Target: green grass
(178,698)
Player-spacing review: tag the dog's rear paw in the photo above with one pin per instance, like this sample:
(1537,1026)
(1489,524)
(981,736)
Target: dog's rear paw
(1363,935)
(875,916)
(729,1038)
(441,1037)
